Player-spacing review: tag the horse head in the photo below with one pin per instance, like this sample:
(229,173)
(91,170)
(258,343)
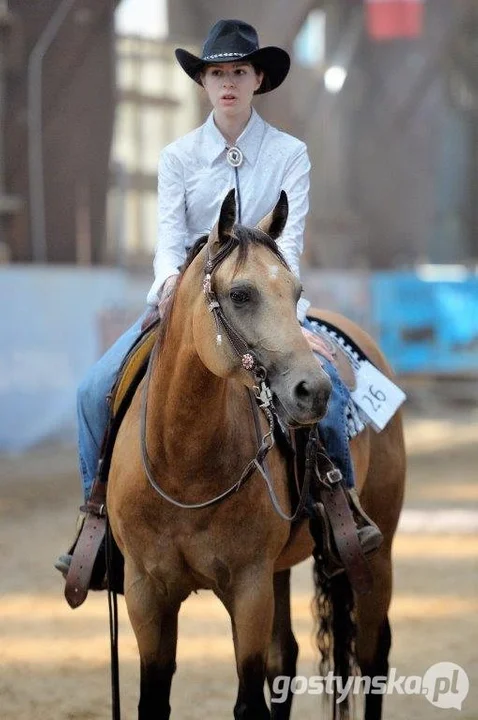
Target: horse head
(248,326)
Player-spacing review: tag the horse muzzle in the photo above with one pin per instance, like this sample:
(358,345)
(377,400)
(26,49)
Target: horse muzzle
(301,400)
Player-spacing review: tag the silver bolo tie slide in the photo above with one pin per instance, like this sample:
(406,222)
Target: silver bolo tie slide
(235,158)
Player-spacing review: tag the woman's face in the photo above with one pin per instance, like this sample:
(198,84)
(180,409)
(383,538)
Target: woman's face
(231,86)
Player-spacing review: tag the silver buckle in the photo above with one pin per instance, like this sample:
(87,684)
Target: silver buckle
(334,476)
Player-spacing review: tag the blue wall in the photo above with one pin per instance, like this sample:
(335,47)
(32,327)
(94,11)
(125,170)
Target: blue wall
(52,329)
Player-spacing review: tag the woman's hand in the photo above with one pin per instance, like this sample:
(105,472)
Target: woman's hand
(166,292)
(318,345)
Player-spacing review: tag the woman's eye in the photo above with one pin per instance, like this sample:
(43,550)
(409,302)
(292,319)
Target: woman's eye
(215,73)
(239,297)
(240,71)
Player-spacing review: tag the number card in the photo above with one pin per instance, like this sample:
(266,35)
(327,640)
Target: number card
(377,396)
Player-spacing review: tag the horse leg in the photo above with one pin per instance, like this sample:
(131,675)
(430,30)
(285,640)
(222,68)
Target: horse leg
(283,650)
(373,629)
(157,672)
(250,604)
(155,624)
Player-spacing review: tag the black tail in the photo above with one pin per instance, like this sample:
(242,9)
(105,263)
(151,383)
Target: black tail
(336,633)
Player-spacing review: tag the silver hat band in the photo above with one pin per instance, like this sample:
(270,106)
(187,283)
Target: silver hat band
(223,55)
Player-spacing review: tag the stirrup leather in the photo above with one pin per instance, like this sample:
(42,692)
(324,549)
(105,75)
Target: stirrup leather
(346,534)
(87,569)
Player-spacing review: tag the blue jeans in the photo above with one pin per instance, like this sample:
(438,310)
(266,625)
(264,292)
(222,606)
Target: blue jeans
(333,427)
(93,410)
(92,406)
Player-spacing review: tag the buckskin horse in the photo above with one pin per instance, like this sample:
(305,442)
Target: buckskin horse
(188,505)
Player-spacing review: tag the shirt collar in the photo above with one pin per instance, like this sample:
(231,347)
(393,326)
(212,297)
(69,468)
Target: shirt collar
(248,142)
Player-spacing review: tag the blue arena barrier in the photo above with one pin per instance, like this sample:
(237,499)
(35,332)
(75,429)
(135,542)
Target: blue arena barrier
(427,322)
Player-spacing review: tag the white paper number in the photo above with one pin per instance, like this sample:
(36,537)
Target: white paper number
(377,396)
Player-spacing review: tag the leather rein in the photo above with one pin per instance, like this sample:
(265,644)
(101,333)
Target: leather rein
(260,395)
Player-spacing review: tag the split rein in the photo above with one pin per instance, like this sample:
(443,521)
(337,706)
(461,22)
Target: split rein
(260,395)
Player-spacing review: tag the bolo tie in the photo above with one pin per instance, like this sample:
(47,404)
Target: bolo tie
(235,158)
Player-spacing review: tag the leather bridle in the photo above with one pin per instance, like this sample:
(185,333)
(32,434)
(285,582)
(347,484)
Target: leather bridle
(260,396)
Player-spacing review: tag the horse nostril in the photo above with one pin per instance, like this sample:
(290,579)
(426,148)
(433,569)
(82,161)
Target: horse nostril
(310,393)
(302,390)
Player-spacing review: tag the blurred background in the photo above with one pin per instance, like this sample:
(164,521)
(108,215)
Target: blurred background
(385,94)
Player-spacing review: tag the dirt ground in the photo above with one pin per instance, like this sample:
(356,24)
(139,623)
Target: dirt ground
(54,661)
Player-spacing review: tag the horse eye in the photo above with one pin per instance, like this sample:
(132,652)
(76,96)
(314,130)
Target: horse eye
(239,297)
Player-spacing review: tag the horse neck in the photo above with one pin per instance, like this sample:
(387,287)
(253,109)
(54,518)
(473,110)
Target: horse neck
(191,411)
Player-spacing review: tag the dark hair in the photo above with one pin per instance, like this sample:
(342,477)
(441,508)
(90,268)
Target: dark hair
(265,85)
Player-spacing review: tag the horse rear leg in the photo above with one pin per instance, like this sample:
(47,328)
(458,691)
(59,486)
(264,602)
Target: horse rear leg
(283,650)
(250,604)
(155,625)
(373,629)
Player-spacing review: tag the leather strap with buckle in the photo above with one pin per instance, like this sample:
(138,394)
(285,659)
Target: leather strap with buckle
(332,495)
(89,542)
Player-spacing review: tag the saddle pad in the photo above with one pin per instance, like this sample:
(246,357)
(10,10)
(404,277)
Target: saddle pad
(349,360)
(359,415)
(354,355)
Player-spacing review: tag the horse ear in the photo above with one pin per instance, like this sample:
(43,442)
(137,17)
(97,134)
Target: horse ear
(274,223)
(227,216)
(223,228)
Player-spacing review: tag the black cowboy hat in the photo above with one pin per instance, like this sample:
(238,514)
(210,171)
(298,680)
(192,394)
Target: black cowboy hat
(233,41)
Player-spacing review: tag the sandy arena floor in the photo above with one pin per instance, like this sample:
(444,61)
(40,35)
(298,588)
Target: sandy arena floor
(54,661)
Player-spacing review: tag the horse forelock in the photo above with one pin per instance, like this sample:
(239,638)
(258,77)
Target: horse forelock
(245,237)
(241,238)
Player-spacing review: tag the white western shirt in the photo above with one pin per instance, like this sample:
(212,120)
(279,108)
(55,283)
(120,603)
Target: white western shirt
(194,177)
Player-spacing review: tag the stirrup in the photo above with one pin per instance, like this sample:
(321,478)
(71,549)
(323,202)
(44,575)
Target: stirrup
(63,562)
(369,533)
(328,559)
(369,536)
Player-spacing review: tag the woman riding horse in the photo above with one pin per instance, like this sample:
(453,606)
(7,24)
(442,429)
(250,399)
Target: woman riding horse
(234,148)
(196,500)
